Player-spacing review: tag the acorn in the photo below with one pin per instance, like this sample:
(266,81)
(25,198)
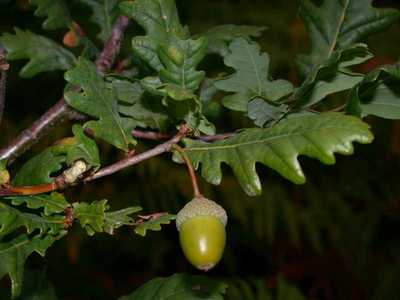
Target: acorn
(201,225)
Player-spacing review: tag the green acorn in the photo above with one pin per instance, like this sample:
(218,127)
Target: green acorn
(201,225)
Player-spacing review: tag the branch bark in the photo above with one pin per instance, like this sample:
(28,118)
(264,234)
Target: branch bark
(157,136)
(61,183)
(61,112)
(130,161)
(3,80)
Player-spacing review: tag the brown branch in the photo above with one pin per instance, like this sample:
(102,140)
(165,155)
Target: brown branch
(157,136)
(61,183)
(113,44)
(4,66)
(133,160)
(61,112)
(150,135)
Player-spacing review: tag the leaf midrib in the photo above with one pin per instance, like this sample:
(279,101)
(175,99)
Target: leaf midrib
(268,139)
(338,29)
(109,107)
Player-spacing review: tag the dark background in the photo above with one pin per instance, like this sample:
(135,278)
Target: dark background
(351,253)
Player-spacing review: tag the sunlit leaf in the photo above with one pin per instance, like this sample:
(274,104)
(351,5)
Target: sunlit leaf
(317,136)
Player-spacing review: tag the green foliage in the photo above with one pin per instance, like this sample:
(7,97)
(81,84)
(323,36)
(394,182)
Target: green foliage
(339,24)
(154,223)
(278,147)
(94,217)
(14,253)
(251,79)
(12,219)
(161,23)
(179,287)
(43,54)
(331,76)
(139,109)
(38,170)
(377,94)
(219,37)
(164,88)
(99,102)
(56,12)
(51,204)
(104,14)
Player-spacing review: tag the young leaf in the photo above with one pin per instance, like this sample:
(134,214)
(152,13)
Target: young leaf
(56,11)
(338,24)
(91,216)
(179,287)
(14,253)
(94,217)
(251,78)
(160,20)
(377,94)
(104,14)
(317,136)
(11,219)
(43,54)
(99,102)
(51,204)
(116,219)
(154,224)
(219,37)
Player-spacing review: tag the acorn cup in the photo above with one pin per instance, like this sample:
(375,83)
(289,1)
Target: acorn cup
(201,225)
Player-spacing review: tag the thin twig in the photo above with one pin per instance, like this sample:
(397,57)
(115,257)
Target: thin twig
(113,44)
(3,79)
(157,136)
(133,160)
(61,112)
(192,173)
(60,182)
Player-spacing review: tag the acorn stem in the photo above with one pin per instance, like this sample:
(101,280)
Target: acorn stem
(189,165)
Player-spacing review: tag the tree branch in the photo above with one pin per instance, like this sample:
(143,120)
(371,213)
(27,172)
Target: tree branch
(61,112)
(61,181)
(157,136)
(3,79)
(133,160)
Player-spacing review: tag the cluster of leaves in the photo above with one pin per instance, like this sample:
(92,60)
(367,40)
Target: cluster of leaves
(170,89)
